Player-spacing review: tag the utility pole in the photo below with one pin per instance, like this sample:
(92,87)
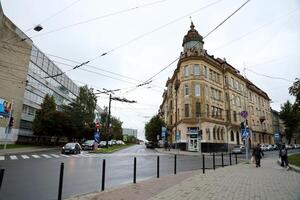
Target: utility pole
(108,122)
(177,84)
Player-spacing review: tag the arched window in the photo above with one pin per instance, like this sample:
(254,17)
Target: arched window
(214,132)
(231,136)
(222,133)
(218,133)
(208,134)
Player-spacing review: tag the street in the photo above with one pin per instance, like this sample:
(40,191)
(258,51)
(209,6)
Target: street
(36,175)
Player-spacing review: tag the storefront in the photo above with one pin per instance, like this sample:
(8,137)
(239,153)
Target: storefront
(193,139)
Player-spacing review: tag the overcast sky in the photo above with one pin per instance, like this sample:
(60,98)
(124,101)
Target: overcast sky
(263,37)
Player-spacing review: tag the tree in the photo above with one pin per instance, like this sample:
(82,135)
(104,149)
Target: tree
(82,112)
(41,117)
(153,128)
(291,118)
(115,127)
(295,91)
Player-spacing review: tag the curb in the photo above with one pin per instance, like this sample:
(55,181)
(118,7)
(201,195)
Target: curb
(292,167)
(28,151)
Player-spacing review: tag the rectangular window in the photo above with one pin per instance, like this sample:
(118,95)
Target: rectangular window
(186,71)
(207,110)
(198,109)
(205,71)
(206,92)
(212,111)
(197,90)
(186,110)
(186,90)
(234,116)
(210,74)
(196,70)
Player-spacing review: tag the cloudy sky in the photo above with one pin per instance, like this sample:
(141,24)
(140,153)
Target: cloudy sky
(143,36)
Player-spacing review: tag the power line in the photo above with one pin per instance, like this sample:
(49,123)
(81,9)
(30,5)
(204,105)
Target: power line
(198,41)
(226,19)
(272,77)
(47,19)
(97,18)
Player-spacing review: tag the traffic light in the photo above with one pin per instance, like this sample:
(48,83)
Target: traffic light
(11,122)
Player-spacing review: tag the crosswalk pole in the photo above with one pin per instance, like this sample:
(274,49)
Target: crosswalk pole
(61,179)
(1,177)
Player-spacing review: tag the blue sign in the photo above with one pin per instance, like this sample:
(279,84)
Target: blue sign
(163,132)
(97,137)
(245,133)
(177,136)
(277,136)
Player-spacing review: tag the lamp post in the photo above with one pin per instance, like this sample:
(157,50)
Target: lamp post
(177,84)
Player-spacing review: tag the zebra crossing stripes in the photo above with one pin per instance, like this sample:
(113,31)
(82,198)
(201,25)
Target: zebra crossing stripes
(55,156)
(2,157)
(63,155)
(13,157)
(25,156)
(35,156)
(46,156)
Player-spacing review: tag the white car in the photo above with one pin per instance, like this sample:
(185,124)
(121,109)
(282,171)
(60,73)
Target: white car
(263,147)
(269,147)
(120,142)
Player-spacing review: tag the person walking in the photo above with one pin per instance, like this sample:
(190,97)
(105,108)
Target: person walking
(257,153)
(284,156)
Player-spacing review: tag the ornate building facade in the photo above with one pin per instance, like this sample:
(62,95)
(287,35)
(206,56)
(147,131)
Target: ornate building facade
(204,100)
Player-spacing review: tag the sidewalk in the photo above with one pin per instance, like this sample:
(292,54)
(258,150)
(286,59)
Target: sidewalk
(187,153)
(26,150)
(243,181)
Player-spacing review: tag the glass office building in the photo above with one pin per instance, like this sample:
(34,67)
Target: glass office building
(40,83)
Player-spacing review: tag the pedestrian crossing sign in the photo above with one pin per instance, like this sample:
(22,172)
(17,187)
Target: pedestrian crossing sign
(245,133)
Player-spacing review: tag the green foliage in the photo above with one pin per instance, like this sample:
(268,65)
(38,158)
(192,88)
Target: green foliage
(41,117)
(115,128)
(81,113)
(291,118)
(153,128)
(295,91)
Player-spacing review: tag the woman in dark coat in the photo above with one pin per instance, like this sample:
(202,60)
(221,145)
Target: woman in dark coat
(257,153)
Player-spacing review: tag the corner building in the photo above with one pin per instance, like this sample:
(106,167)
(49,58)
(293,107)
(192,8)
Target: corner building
(204,100)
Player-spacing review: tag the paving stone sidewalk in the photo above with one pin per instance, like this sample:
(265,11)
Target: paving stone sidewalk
(243,181)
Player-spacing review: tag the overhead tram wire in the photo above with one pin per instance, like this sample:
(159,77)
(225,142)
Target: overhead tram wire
(99,17)
(145,34)
(48,18)
(214,29)
(267,76)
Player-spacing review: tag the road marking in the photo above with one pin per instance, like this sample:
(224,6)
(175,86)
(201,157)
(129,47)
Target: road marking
(64,155)
(2,158)
(76,156)
(25,156)
(13,157)
(54,155)
(46,156)
(35,156)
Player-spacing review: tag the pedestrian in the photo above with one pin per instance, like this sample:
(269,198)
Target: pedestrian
(257,153)
(284,156)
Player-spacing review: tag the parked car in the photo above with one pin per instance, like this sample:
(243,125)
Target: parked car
(269,147)
(114,142)
(275,147)
(297,146)
(72,148)
(238,149)
(150,145)
(120,142)
(102,144)
(263,147)
(288,146)
(88,145)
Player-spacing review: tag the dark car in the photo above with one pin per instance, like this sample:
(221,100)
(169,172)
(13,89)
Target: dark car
(151,145)
(88,145)
(72,148)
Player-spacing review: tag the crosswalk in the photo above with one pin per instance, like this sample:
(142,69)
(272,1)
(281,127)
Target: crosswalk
(44,156)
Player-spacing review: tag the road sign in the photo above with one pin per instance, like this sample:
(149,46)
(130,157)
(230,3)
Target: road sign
(163,132)
(244,114)
(245,133)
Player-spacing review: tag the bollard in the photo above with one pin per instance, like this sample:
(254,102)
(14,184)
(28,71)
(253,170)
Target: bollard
(214,162)
(222,156)
(103,175)
(157,166)
(236,159)
(1,177)
(61,179)
(230,159)
(134,170)
(203,164)
(175,163)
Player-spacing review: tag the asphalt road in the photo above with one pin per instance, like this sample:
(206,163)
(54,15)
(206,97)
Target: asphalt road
(36,175)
